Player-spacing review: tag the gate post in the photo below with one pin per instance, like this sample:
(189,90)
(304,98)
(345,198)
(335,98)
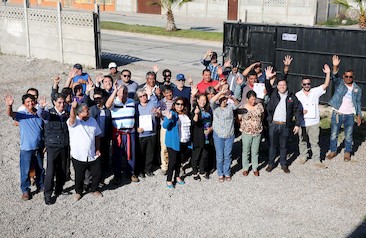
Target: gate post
(27,28)
(97,40)
(60,36)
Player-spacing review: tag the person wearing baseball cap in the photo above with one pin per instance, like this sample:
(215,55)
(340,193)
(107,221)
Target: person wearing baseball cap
(180,90)
(76,76)
(113,71)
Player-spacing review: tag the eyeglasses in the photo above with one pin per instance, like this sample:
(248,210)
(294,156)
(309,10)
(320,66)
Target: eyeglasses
(348,76)
(126,75)
(306,84)
(143,95)
(179,104)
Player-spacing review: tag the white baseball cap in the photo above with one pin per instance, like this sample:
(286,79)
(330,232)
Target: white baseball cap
(112,65)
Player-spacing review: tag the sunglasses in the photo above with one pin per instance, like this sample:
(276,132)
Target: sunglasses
(126,75)
(179,104)
(168,75)
(306,84)
(348,76)
(143,95)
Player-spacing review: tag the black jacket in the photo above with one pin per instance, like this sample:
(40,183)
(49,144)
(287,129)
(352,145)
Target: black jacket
(293,108)
(197,130)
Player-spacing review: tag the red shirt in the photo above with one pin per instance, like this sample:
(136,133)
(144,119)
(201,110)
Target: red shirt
(203,85)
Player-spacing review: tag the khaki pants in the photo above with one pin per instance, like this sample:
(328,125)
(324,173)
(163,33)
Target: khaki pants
(309,135)
(163,151)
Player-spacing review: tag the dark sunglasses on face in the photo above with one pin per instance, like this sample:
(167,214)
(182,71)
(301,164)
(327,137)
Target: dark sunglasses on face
(168,75)
(348,76)
(127,75)
(179,104)
(306,84)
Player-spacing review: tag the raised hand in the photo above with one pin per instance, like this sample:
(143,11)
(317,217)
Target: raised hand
(326,69)
(336,61)
(74,103)
(194,90)
(219,70)
(269,73)
(56,80)
(225,88)
(239,80)
(155,68)
(197,110)
(287,61)
(190,80)
(42,102)
(9,99)
(99,78)
(72,73)
(89,87)
(227,63)
(169,115)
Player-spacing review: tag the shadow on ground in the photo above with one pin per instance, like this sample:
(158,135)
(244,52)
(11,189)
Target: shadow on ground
(359,232)
(118,59)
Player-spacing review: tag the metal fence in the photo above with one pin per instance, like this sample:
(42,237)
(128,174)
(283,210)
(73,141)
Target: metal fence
(310,47)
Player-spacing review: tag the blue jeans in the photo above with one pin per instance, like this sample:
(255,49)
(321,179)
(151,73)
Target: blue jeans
(26,158)
(223,148)
(337,121)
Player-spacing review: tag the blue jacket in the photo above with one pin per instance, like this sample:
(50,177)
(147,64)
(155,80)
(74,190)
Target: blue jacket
(172,138)
(341,90)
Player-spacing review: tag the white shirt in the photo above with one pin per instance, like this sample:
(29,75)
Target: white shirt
(347,106)
(82,139)
(280,111)
(184,128)
(311,104)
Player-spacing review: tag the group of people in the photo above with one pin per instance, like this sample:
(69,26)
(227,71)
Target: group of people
(117,126)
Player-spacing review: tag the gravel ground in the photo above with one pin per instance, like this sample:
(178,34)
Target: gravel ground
(305,203)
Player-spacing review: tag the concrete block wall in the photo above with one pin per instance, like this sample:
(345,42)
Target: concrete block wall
(71,42)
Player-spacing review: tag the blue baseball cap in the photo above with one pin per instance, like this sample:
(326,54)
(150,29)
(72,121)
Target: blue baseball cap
(180,77)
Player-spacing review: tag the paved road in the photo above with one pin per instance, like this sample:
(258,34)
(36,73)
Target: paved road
(179,55)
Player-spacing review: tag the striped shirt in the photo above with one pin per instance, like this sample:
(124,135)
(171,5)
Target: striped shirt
(123,115)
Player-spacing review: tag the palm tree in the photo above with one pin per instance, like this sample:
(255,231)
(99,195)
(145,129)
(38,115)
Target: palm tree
(361,4)
(168,5)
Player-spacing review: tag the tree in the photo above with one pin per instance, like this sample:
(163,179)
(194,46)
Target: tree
(361,4)
(168,5)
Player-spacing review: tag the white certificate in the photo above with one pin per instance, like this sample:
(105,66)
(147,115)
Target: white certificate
(145,122)
(311,113)
(259,90)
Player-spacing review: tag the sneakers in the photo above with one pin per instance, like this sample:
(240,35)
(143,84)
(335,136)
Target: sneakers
(197,177)
(25,196)
(347,156)
(97,194)
(319,165)
(150,174)
(285,169)
(77,197)
(302,160)
(135,179)
(331,155)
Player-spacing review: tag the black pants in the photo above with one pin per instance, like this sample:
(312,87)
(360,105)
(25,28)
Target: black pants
(199,159)
(56,166)
(147,152)
(104,161)
(80,168)
(175,160)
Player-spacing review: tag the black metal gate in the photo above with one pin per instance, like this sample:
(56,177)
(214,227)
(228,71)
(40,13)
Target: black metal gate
(310,47)
(97,39)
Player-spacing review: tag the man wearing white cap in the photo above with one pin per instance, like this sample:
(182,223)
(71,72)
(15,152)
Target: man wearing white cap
(113,72)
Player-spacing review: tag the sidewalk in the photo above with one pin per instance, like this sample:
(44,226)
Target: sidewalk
(201,24)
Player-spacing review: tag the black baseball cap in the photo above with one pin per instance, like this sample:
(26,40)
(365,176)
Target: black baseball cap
(78,66)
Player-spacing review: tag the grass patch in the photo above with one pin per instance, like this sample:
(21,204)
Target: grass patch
(338,22)
(154,30)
